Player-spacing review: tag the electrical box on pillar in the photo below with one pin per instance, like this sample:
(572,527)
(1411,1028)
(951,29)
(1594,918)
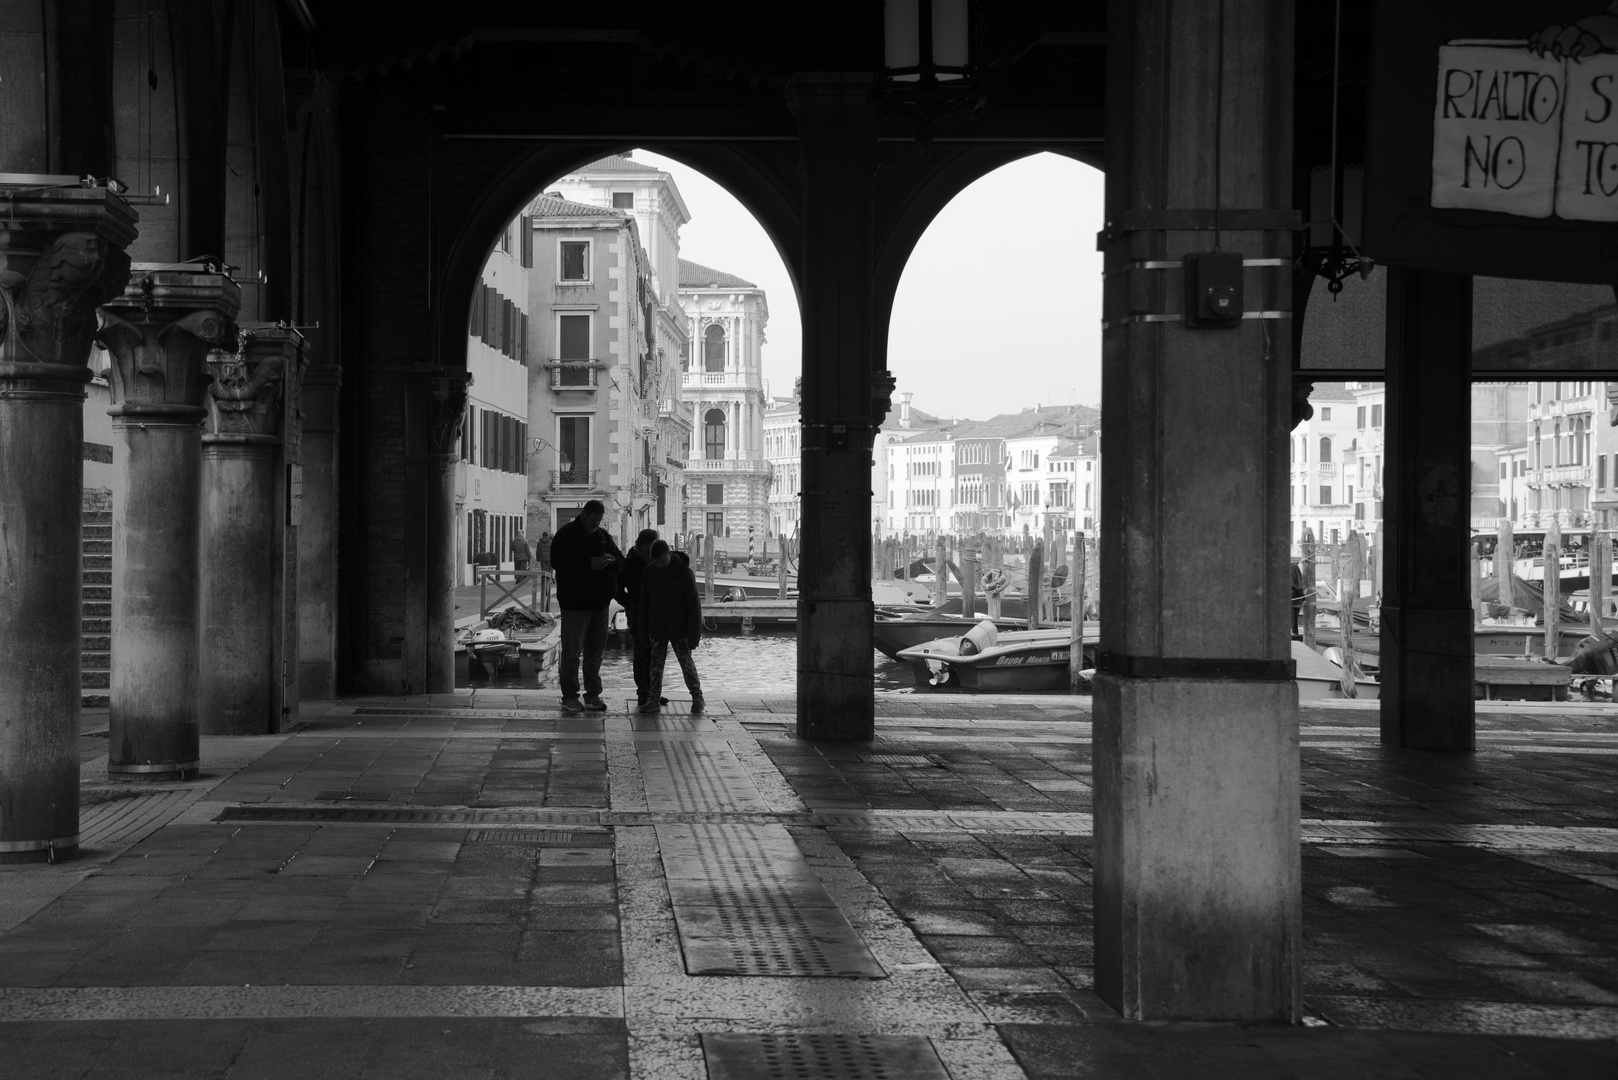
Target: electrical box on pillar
(1213,289)
(838,443)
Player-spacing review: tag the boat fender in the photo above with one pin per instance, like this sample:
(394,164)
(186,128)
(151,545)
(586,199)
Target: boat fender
(980,637)
(1596,655)
(995,580)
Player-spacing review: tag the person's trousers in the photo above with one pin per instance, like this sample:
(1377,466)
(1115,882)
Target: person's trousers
(643,656)
(659,650)
(584,636)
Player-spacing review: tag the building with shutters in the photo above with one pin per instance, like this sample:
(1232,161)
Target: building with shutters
(491,488)
(727,472)
(601,422)
(653,430)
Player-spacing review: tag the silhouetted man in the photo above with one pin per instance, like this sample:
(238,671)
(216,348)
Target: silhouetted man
(586,562)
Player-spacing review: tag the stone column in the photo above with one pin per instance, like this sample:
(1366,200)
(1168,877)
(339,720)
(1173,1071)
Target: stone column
(244,523)
(61,254)
(1427,639)
(159,334)
(435,407)
(837,130)
(1198,899)
(317,534)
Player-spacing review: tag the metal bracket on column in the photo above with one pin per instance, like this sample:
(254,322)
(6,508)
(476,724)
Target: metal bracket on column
(1109,324)
(1180,667)
(1251,220)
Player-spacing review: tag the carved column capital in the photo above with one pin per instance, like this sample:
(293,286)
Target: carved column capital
(436,399)
(61,255)
(254,390)
(159,333)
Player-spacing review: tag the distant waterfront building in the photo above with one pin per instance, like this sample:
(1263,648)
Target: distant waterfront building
(491,488)
(783,450)
(1561,454)
(727,473)
(1324,456)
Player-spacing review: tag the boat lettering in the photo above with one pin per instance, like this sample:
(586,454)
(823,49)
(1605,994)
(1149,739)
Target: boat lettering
(1009,661)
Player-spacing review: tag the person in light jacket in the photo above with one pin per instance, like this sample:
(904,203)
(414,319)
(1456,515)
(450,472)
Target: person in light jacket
(670,614)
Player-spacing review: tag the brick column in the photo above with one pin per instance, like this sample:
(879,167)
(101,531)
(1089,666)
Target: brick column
(244,524)
(317,534)
(435,408)
(1197,881)
(159,334)
(61,254)
(837,131)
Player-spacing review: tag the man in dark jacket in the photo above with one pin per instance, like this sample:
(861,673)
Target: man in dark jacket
(671,615)
(586,563)
(629,596)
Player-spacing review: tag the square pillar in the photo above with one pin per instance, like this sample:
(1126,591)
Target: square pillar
(435,409)
(317,534)
(1428,644)
(62,252)
(1198,904)
(837,131)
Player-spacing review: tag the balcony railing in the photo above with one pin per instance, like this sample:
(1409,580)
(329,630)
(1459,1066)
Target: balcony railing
(678,463)
(1326,469)
(713,378)
(573,374)
(580,478)
(741,465)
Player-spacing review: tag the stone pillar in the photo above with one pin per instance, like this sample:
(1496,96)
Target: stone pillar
(61,254)
(1198,903)
(159,334)
(1427,639)
(435,407)
(317,534)
(837,127)
(244,525)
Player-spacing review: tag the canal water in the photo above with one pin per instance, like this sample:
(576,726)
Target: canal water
(731,664)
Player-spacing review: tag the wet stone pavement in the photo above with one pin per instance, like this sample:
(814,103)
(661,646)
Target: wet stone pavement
(475,885)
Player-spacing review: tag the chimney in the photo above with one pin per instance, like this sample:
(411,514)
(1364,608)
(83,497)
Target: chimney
(904,408)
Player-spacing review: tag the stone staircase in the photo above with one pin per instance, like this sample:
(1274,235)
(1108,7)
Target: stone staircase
(95,623)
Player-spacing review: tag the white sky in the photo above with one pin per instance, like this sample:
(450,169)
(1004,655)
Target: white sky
(999,307)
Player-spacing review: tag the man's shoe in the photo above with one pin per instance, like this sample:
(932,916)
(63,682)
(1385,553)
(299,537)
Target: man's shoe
(572,705)
(698,705)
(594,703)
(649,707)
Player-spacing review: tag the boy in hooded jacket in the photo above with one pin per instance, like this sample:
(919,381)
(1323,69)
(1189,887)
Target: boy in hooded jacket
(670,615)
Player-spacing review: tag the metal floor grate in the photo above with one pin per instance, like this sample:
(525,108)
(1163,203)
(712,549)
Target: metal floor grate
(519,836)
(355,796)
(746,902)
(820,1056)
(129,820)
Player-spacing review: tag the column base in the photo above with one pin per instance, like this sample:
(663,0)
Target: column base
(1198,895)
(38,851)
(163,770)
(836,668)
(1428,696)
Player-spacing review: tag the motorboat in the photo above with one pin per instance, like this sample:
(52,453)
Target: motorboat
(513,643)
(899,628)
(987,660)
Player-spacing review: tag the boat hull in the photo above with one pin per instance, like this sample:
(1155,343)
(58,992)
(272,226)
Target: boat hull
(892,635)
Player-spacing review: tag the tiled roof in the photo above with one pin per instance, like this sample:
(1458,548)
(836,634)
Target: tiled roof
(1331,391)
(695,275)
(551,206)
(617,163)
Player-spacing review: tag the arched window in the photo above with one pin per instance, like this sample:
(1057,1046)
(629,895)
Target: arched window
(713,349)
(713,434)
(1325,449)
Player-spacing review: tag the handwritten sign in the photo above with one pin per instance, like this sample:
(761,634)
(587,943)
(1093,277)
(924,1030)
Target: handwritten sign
(1527,135)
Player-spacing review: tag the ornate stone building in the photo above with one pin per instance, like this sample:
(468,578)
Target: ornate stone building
(727,474)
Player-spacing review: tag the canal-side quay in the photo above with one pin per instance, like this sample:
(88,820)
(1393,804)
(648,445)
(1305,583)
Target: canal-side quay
(478,885)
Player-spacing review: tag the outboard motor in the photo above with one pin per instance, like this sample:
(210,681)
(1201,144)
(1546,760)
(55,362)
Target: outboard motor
(1596,655)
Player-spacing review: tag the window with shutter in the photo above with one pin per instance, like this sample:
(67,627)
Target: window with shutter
(526,224)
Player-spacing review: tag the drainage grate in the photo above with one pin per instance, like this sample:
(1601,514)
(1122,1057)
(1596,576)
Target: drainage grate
(520,836)
(408,815)
(816,1056)
(899,759)
(355,796)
